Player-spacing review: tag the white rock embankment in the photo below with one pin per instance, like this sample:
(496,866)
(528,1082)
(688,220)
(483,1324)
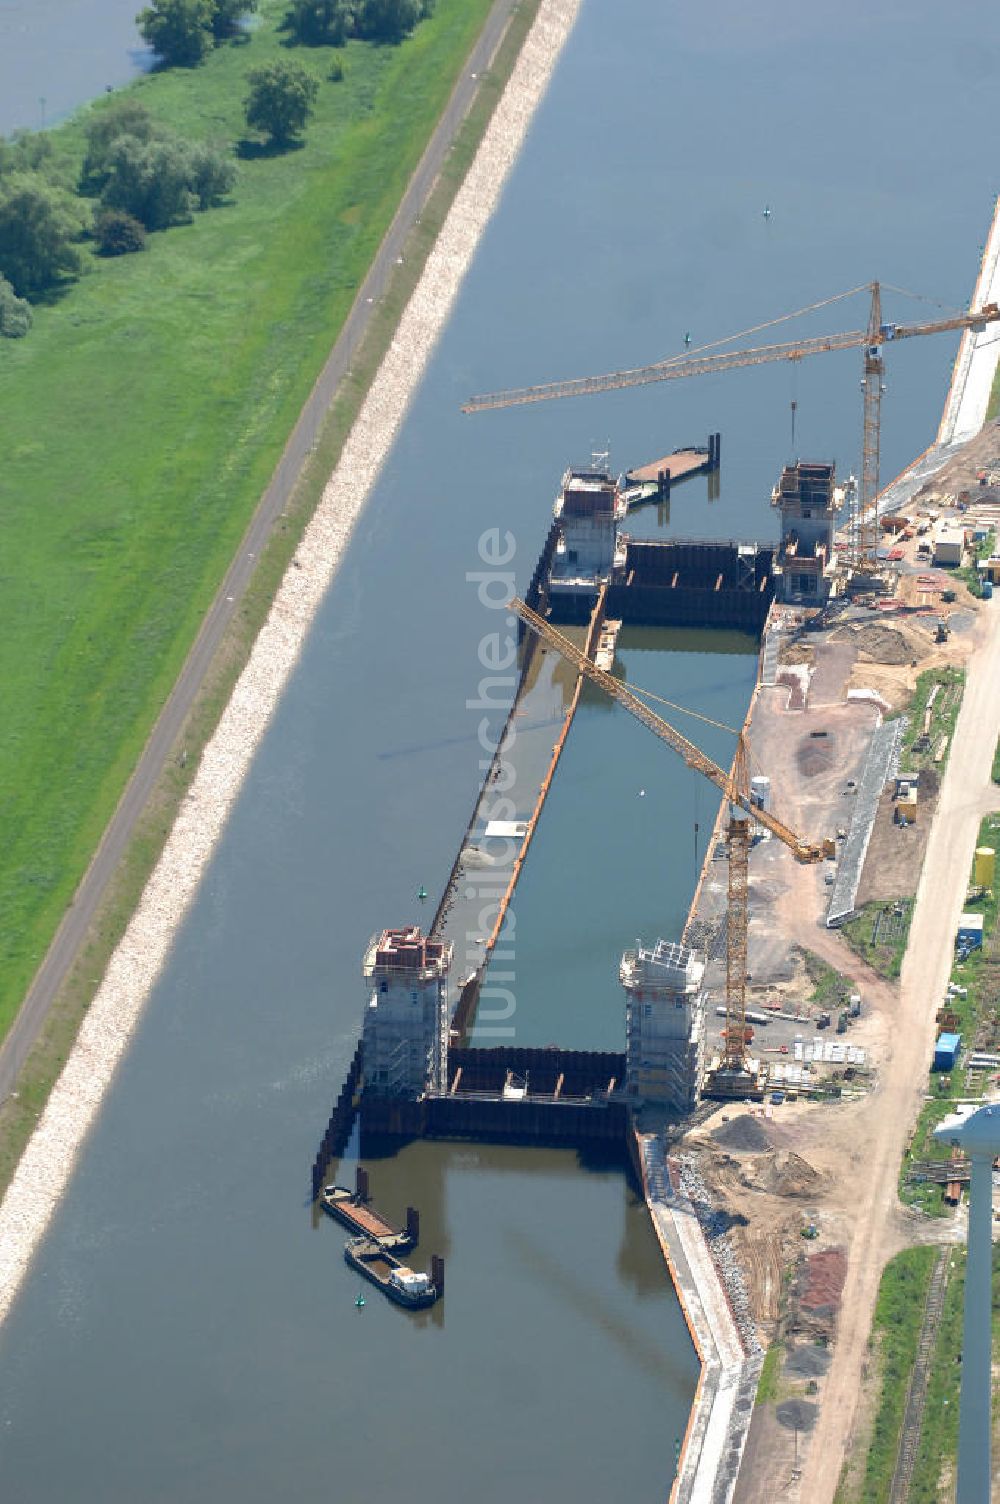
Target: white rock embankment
(48,1160)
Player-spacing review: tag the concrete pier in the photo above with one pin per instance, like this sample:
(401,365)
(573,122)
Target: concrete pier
(713,1445)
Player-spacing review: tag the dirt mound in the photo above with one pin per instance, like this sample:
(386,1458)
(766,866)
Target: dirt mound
(808,1361)
(797,1415)
(880,643)
(784,1175)
(825,1275)
(744,1134)
(928,782)
(814,754)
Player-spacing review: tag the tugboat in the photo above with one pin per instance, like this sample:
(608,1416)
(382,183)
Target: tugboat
(405,1286)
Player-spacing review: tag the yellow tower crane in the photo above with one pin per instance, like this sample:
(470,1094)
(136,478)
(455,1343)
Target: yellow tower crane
(732,1075)
(871,340)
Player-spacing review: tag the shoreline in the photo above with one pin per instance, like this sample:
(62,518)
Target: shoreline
(47,1162)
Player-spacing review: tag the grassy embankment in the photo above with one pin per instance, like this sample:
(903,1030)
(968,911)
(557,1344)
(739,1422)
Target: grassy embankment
(143,417)
(977,1018)
(899,1314)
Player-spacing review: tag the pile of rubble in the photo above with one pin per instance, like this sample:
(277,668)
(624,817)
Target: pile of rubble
(714,1224)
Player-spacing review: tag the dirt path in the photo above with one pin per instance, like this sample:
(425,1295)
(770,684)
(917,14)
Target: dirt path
(966,792)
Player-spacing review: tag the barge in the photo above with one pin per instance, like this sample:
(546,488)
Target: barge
(348,1208)
(404,1286)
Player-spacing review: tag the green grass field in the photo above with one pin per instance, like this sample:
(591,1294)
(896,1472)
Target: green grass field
(143,416)
(899,1314)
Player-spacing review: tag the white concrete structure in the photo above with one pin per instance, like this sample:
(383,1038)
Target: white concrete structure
(805,498)
(978,1134)
(664,1024)
(406,1014)
(588,509)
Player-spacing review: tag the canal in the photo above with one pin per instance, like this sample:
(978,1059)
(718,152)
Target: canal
(188,1331)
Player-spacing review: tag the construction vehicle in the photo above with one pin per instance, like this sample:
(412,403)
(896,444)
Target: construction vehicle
(735,1074)
(864,522)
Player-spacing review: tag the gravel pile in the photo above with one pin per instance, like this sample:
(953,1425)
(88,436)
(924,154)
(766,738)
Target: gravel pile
(744,1134)
(49,1158)
(713,1225)
(797,1415)
(807,1361)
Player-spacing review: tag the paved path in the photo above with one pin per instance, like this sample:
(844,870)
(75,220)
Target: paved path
(80,915)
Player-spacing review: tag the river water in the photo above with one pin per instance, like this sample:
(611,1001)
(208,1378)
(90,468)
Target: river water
(188,1330)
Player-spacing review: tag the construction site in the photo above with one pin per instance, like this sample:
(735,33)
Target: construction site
(760,1048)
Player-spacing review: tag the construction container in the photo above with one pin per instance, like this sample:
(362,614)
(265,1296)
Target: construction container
(905,812)
(946,1051)
(760,791)
(970,932)
(985,866)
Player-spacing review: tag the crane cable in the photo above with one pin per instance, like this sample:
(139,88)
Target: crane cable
(782,318)
(647,694)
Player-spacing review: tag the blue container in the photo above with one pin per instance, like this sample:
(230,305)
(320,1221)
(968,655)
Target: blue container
(946,1051)
(987,590)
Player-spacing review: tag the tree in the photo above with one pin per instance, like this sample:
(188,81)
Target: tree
(118,233)
(321,23)
(126,117)
(212,175)
(25,151)
(280,100)
(151,180)
(179,31)
(227,16)
(38,225)
(15,312)
(389,20)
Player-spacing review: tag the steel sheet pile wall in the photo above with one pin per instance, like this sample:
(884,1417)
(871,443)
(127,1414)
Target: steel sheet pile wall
(693,584)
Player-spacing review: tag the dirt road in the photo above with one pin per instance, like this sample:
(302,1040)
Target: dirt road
(966,793)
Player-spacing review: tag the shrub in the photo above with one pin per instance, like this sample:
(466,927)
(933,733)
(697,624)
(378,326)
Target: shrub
(151,180)
(213,173)
(126,117)
(15,312)
(38,225)
(24,151)
(118,233)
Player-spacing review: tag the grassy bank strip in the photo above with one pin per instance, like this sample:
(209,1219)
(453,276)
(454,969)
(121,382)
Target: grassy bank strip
(899,1314)
(879,933)
(995,773)
(144,416)
(976,1016)
(18,1116)
(982,550)
(920,746)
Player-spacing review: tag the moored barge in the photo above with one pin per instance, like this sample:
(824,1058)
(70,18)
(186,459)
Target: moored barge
(401,1284)
(349,1208)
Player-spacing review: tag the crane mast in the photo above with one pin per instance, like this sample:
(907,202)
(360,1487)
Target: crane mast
(735,785)
(864,525)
